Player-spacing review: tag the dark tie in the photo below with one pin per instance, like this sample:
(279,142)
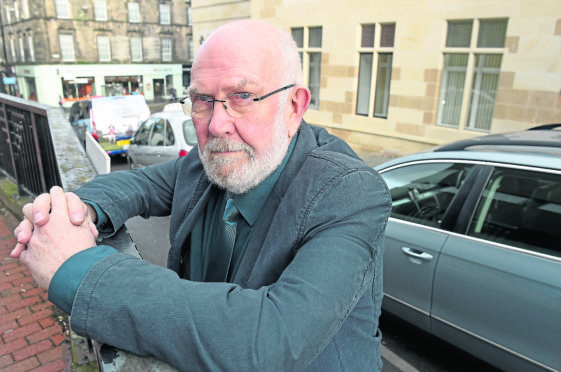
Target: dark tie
(231,217)
(221,253)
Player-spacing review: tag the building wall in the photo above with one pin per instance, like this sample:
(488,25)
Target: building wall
(41,23)
(530,73)
(208,15)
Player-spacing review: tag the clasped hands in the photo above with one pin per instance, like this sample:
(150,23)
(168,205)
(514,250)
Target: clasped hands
(56,226)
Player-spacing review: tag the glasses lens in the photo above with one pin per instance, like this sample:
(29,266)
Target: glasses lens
(186,105)
(201,106)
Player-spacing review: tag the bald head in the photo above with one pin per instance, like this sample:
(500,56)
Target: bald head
(253,42)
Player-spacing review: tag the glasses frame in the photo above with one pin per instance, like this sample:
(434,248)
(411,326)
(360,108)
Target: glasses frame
(187,100)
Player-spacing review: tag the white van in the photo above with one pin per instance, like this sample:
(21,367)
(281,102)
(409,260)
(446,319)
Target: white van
(115,119)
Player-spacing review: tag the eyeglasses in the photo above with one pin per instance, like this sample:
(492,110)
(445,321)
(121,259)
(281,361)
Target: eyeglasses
(201,107)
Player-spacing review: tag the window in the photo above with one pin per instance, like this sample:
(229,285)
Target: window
(375,55)
(142,135)
(100,10)
(21,49)
(67,48)
(521,208)
(309,41)
(165,14)
(104,48)
(62,9)
(189,16)
(136,49)
(134,12)
(191,50)
(13,49)
(421,193)
(159,133)
(25,9)
(472,63)
(31,48)
(166,50)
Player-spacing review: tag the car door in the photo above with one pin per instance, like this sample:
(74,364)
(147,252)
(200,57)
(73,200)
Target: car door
(153,151)
(422,193)
(168,150)
(139,144)
(497,290)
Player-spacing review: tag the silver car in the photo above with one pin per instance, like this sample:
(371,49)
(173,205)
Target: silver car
(163,136)
(473,246)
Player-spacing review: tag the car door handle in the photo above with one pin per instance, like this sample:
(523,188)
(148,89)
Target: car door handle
(416,254)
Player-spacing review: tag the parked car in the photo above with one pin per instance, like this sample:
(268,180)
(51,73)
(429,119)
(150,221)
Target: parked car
(163,136)
(473,246)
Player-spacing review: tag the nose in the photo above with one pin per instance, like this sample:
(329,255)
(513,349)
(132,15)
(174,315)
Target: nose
(221,123)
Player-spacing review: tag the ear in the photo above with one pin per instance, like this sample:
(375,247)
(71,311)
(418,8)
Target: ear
(296,108)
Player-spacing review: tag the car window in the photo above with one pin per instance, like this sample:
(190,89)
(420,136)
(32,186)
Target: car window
(422,192)
(521,208)
(189,132)
(143,133)
(158,132)
(170,137)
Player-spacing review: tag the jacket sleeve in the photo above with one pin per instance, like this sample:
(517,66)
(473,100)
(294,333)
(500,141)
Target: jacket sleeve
(149,310)
(124,194)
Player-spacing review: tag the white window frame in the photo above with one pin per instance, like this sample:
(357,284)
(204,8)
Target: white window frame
(310,68)
(136,49)
(134,12)
(370,95)
(104,48)
(469,108)
(165,14)
(166,45)
(66,48)
(100,10)
(62,9)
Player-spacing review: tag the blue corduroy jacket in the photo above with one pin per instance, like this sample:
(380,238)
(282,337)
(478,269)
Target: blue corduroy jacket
(308,291)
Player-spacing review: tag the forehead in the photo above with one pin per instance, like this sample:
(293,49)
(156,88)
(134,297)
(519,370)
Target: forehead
(223,63)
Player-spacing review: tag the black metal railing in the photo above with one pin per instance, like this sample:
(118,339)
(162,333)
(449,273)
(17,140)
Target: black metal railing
(26,146)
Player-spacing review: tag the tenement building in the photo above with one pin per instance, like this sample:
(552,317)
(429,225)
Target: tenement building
(74,49)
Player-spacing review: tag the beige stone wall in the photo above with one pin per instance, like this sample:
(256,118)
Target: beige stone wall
(208,15)
(530,80)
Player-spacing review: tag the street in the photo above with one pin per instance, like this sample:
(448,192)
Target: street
(404,347)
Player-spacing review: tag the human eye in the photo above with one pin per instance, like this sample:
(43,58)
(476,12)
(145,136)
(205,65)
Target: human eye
(201,98)
(240,99)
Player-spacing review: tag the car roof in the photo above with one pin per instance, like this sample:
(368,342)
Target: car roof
(541,136)
(171,115)
(536,147)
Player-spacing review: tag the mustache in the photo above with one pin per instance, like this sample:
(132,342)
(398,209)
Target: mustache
(222,145)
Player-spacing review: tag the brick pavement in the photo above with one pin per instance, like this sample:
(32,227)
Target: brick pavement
(34,333)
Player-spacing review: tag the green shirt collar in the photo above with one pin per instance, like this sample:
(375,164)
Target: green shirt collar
(250,204)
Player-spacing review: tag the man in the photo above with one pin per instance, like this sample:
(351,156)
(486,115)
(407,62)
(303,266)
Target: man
(299,290)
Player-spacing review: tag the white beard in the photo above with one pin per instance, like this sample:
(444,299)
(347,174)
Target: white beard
(254,170)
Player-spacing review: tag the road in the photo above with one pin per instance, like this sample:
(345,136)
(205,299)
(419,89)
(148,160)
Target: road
(404,347)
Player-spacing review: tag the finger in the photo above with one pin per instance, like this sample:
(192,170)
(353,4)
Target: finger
(93,229)
(28,211)
(76,209)
(41,208)
(18,250)
(59,206)
(23,231)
